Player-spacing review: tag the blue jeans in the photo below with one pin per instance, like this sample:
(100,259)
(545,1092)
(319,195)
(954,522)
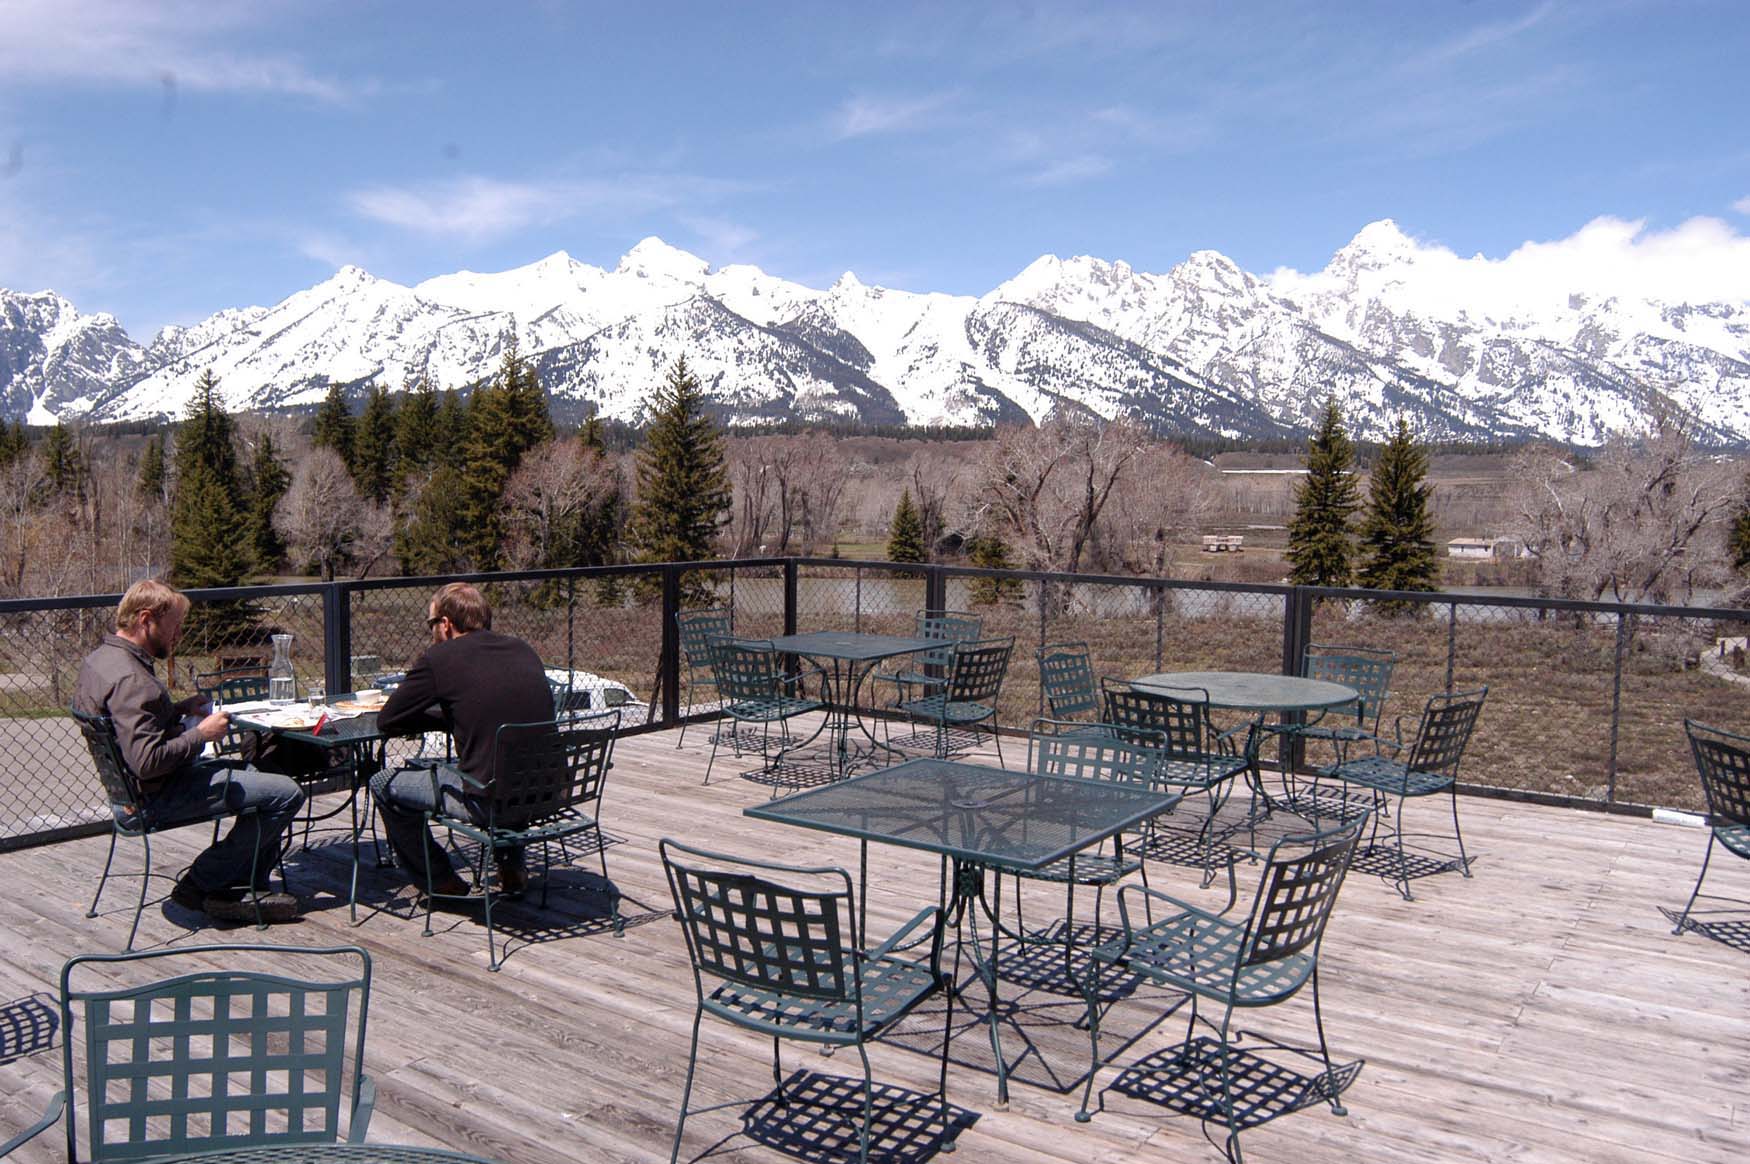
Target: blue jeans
(253,843)
(405,796)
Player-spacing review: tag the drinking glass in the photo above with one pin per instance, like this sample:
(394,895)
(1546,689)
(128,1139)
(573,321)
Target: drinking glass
(317,694)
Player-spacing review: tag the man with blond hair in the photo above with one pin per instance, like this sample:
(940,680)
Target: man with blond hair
(119,680)
(471,681)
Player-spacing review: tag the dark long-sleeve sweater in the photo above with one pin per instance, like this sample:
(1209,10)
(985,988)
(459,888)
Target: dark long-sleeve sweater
(118,679)
(473,685)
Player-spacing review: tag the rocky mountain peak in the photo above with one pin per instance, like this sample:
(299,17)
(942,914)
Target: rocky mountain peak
(654,259)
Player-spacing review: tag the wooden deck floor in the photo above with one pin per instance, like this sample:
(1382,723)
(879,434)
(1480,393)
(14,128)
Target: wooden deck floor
(1539,1011)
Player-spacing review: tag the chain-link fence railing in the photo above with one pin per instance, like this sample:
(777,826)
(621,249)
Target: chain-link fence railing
(1586,700)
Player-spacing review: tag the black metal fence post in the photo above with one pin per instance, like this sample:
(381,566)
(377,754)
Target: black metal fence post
(1297,616)
(670,666)
(935,588)
(792,575)
(1624,632)
(337,637)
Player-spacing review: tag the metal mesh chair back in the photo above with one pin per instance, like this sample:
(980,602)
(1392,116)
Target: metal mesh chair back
(118,783)
(745,669)
(1066,675)
(1367,669)
(214,1059)
(948,627)
(976,671)
(697,629)
(1297,891)
(543,769)
(1181,718)
(745,926)
(1446,728)
(1095,751)
(1723,759)
(235,685)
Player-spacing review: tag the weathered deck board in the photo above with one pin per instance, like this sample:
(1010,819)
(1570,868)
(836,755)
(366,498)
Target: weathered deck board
(1538,1011)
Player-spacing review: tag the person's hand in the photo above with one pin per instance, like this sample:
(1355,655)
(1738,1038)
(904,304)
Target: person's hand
(198,704)
(213,727)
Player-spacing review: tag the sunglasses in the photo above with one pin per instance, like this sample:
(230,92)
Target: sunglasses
(434,620)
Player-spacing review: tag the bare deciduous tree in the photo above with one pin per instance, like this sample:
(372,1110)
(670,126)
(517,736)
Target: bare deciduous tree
(788,491)
(1042,490)
(557,484)
(322,517)
(1645,524)
(1166,497)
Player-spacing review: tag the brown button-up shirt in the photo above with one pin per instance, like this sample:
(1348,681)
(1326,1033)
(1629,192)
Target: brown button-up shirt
(117,679)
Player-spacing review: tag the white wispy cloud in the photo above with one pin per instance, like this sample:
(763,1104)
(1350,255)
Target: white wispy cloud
(476,207)
(724,241)
(1482,37)
(1068,171)
(1701,260)
(1742,205)
(861,116)
(166,45)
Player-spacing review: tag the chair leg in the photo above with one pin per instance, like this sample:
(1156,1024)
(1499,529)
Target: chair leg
(868,1105)
(145,880)
(714,740)
(103,879)
(687,1090)
(1696,892)
(942,1076)
(1091,992)
(1403,878)
(778,1075)
(1337,1107)
(1227,1093)
(1463,861)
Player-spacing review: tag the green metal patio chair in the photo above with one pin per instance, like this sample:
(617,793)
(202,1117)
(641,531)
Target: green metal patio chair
(1196,759)
(1066,677)
(132,815)
(1723,760)
(211,1059)
(696,629)
(1237,962)
(546,786)
(750,677)
(773,951)
(967,697)
(929,669)
(1081,751)
(1368,670)
(1429,766)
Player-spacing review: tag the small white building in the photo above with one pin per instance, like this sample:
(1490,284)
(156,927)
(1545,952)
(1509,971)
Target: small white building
(1473,549)
(1224,543)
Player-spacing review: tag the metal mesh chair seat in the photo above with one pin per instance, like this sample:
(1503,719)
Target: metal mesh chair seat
(771,709)
(953,711)
(1318,731)
(1200,772)
(563,824)
(1734,837)
(1088,869)
(891,987)
(1197,951)
(1387,775)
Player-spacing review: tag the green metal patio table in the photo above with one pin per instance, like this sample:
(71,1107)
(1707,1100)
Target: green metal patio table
(976,818)
(853,655)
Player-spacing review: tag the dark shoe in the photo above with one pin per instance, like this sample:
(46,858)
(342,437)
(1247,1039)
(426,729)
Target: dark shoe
(449,886)
(275,907)
(189,895)
(513,880)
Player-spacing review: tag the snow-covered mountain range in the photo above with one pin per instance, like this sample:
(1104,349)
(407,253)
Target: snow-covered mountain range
(1390,327)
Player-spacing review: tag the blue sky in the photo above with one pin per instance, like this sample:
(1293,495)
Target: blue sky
(161,161)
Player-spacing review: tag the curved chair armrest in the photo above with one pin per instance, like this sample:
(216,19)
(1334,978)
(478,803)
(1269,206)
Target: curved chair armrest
(50,1118)
(799,681)
(896,940)
(1396,744)
(1184,907)
(361,1115)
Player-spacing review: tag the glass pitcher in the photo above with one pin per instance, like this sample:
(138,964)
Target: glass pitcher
(281,685)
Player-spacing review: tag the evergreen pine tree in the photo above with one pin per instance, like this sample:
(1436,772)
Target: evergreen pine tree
(683,483)
(334,425)
(905,533)
(14,442)
(1397,536)
(1738,540)
(449,446)
(209,540)
(151,481)
(990,552)
(1320,546)
(417,433)
(373,447)
(268,482)
(62,464)
(431,543)
(506,419)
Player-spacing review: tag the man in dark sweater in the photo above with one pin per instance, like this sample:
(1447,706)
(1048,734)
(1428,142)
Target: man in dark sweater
(471,681)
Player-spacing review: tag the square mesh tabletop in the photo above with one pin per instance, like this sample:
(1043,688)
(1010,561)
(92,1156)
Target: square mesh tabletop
(852,645)
(971,812)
